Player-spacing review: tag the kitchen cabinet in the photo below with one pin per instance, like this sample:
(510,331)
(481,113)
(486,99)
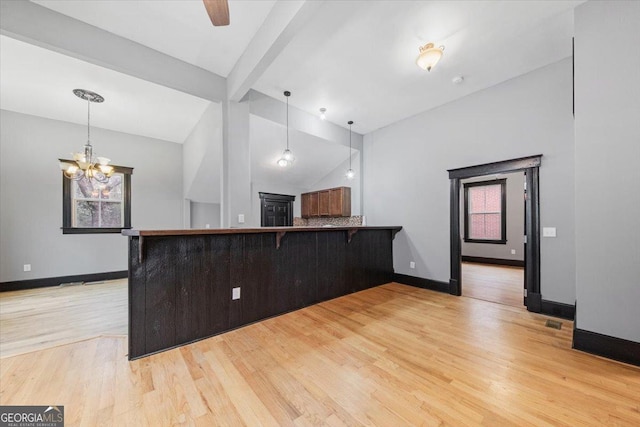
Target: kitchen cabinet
(332,202)
(305,208)
(324,202)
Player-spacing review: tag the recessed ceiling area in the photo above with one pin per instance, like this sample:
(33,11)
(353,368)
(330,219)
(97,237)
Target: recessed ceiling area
(178,28)
(131,105)
(315,157)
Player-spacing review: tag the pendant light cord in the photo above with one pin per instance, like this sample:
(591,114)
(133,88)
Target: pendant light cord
(287,122)
(350,146)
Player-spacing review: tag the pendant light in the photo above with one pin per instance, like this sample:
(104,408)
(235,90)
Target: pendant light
(350,173)
(287,156)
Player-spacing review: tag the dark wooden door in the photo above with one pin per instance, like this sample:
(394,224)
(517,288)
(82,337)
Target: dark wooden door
(275,214)
(276,210)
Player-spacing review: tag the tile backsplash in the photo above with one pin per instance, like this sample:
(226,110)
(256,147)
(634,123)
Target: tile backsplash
(337,221)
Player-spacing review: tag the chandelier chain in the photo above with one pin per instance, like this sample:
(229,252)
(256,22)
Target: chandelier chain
(88,120)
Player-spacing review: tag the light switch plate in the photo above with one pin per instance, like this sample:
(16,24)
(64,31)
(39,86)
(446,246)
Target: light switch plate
(235,293)
(412,264)
(548,232)
(240,218)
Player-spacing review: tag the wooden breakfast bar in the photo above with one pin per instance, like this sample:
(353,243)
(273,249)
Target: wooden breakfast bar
(181,281)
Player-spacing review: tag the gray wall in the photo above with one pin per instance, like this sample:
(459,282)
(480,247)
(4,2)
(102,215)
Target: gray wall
(514,218)
(31,196)
(203,214)
(607,131)
(406,181)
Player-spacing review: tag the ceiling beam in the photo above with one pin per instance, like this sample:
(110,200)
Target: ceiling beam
(282,24)
(34,24)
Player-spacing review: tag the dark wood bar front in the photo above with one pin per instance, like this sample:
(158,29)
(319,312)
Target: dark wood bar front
(181,281)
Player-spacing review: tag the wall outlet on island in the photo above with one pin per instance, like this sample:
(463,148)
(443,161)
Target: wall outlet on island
(27,267)
(235,293)
(412,264)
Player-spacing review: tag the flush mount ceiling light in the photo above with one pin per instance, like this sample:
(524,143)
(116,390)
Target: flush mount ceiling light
(323,115)
(350,173)
(84,164)
(429,56)
(287,156)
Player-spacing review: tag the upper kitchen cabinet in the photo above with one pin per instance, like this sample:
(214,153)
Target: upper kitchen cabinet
(332,202)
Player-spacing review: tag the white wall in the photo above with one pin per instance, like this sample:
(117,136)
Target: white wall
(514,217)
(337,178)
(607,154)
(202,158)
(203,214)
(406,181)
(31,196)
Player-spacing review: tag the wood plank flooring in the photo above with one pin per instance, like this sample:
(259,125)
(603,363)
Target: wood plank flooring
(495,283)
(388,356)
(35,319)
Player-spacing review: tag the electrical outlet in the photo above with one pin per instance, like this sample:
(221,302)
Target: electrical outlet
(412,264)
(548,232)
(27,267)
(240,218)
(207,226)
(513,251)
(235,293)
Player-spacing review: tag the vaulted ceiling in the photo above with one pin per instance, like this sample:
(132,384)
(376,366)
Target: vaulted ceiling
(355,58)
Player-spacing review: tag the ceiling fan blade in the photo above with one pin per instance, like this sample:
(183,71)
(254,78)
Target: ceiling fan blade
(218,11)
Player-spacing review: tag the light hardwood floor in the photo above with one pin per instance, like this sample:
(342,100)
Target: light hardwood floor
(389,356)
(35,319)
(495,283)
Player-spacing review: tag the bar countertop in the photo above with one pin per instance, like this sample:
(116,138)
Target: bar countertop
(205,231)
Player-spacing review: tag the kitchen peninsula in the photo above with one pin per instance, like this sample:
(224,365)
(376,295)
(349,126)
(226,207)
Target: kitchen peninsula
(186,285)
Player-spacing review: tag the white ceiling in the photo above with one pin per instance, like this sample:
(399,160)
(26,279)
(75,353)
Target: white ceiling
(178,28)
(131,105)
(357,58)
(314,157)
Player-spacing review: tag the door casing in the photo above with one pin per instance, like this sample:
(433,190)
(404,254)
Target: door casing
(530,165)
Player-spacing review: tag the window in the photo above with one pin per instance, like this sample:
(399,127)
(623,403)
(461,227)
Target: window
(89,206)
(485,212)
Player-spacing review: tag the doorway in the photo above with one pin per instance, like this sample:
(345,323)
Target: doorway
(492,226)
(530,165)
(276,210)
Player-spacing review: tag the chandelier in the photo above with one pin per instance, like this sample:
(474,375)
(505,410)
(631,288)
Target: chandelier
(84,164)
